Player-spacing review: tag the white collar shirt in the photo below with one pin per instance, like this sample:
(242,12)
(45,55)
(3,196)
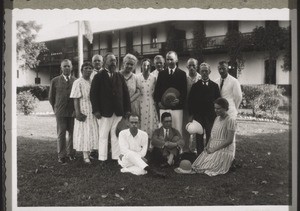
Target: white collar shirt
(231,91)
(65,77)
(173,70)
(138,143)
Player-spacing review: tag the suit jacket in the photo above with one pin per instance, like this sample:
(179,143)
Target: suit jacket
(177,80)
(109,95)
(201,99)
(158,137)
(59,96)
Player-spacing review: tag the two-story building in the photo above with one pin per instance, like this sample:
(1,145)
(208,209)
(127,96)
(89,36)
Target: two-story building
(148,40)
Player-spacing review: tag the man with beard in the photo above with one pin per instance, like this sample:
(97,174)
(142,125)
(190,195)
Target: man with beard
(110,101)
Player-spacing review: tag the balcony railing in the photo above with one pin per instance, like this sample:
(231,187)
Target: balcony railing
(182,46)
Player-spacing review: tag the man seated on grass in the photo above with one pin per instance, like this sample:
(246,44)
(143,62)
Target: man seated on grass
(133,146)
(166,141)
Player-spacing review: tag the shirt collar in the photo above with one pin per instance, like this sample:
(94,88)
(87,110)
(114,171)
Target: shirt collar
(65,77)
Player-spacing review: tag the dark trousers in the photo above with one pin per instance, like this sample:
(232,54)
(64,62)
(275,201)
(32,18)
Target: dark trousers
(207,124)
(64,146)
(159,156)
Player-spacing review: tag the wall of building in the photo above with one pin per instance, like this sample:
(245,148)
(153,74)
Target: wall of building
(215,28)
(248,26)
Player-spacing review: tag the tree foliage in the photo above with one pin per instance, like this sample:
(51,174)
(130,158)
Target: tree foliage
(270,38)
(199,42)
(27,47)
(234,43)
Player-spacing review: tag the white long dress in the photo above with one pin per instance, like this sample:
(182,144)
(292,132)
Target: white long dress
(149,116)
(85,135)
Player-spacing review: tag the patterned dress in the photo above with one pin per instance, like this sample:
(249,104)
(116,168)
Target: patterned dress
(85,136)
(132,85)
(149,117)
(220,161)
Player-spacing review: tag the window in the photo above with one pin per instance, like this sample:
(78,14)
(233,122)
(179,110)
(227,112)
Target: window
(153,34)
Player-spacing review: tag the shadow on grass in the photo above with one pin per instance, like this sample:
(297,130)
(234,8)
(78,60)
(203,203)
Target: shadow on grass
(263,179)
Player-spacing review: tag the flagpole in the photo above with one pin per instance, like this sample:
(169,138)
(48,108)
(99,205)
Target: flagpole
(80,48)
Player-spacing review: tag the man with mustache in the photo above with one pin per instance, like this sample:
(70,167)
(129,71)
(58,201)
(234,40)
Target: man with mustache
(110,101)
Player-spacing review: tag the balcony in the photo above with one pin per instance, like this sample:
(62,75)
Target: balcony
(185,46)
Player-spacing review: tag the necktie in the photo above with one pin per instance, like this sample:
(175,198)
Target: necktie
(167,133)
(67,79)
(171,72)
(222,82)
(205,83)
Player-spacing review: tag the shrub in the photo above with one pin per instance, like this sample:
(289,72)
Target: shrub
(39,91)
(26,102)
(262,98)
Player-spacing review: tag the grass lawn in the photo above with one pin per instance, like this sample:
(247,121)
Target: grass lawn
(263,152)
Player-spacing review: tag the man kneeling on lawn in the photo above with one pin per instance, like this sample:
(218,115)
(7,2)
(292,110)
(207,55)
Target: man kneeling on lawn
(166,141)
(133,145)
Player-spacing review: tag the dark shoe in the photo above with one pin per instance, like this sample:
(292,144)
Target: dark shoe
(72,157)
(165,165)
(94,155)
(62,161)
(155,173)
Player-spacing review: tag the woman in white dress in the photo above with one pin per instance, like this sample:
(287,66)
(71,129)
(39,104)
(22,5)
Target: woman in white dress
(129,63)
(219,153)
(85,136)
(147,81)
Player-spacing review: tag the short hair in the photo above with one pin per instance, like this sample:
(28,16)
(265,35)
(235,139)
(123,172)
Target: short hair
(97,55)
(223,63)
(146,60)
(66,60)
(107,55)
(86,64)
(164,115)
(173,52)
(158,57)
(192,59)
(128,57)
(204,65)
(133,115)
(222,102)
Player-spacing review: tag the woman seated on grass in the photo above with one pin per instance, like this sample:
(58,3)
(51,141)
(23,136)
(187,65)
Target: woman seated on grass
(219,153)
(85,137)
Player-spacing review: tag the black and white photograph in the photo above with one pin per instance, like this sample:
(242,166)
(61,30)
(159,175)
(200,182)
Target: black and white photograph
(153,109)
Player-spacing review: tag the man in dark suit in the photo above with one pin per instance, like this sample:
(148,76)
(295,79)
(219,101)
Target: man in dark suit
(166,141)
(175,78)
(110,101)
(201,104)
(63,106)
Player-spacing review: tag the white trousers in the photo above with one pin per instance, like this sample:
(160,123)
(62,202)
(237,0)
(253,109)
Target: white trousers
(177,118)
(106,126)
(133,163)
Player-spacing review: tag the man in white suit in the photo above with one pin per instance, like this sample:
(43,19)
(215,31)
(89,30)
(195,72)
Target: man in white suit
(230,89)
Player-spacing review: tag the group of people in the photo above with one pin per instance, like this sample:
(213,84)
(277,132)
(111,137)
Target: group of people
(157,106)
